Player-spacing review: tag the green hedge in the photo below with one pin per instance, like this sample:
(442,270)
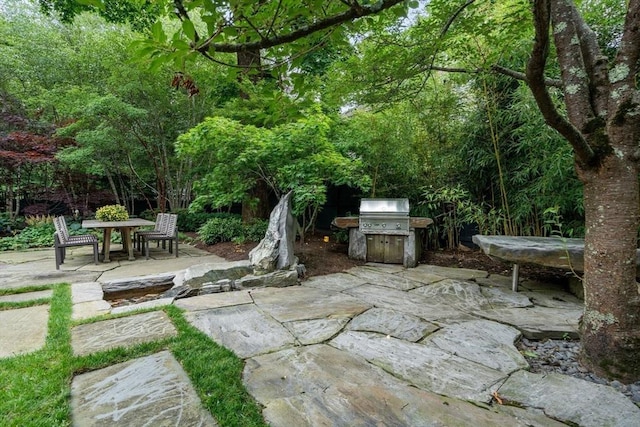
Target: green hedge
(228,229)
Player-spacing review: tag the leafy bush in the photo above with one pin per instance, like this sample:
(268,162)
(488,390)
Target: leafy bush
(35,220)
(112,213)
(230,228)
(218,230)
(37,236)
(192,221)
(254,232)
(7,224)
(188,221)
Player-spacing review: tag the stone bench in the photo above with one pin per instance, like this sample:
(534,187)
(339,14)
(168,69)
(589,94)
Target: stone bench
(554,252)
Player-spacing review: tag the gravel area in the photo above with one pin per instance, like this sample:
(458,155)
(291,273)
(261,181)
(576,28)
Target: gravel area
(561,356)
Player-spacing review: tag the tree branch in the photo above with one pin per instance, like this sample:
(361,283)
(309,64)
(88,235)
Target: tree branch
(499,69)
(576,67)
(453,17)
(322,24)
(535,79)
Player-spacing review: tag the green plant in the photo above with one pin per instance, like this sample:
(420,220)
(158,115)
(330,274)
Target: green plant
(255,230)
(341,235)
(451,208)
(192,221)
(34,220)
(218,230)
(37,236)
(112,213)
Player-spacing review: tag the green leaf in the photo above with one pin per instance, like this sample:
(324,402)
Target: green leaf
(230,31)
(157,32)
(95,3)
(188,29)
(413,4)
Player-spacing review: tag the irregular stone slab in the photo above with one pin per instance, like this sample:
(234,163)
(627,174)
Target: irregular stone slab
(453,272)
(274,279)
(322,386)
(156,303)
(21,257)
(538,322)
(305,303)
(532,417)
(556,299)
(275,250)
(393,323)
(122,332)
(375,277)
(316,331)
(89,309)
(426,367)
(336,282)
(405,302)
(152,390)
(465,296)
(534,286)
(31,274)
(138,283)
(547,251)
(421,275)
(27,296)
(85,292)
(495,281)
(504,297)
(212,272)
(482,341)
(205,302)
(570,399)
(385,268)
(242,329)
(23,330)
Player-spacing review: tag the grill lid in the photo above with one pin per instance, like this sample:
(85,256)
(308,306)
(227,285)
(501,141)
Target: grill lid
(391,207)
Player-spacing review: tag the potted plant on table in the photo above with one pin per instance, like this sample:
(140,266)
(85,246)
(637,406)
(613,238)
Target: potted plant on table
(112,213)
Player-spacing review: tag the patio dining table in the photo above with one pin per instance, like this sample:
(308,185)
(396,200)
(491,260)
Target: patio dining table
(125,227)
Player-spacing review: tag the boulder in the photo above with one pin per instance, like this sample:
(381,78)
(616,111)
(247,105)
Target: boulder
(275,251)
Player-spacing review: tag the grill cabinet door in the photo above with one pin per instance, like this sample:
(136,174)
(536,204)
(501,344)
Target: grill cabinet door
(385,248)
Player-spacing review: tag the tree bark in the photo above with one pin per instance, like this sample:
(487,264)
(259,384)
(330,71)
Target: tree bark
(610,328)
(257,204)
(603,127)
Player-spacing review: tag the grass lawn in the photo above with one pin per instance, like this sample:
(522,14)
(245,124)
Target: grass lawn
(36,388)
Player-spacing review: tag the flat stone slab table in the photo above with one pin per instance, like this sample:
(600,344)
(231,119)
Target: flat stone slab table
(555,252)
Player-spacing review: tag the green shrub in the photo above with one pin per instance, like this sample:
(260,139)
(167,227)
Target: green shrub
(112,213)
(37,236)
(254,232)
(192,221)
(218,230)
(7,225)
(229,228)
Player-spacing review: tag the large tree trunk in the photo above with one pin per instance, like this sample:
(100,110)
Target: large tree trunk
(602,124)
(257,204)
(610,328)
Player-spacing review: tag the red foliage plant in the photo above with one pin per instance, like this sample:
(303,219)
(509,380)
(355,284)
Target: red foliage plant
(18,148)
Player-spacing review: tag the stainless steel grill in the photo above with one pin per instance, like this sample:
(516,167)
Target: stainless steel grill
(384,216)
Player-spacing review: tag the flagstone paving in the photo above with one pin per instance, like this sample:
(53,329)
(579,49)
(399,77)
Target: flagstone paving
(375,345)
(148,391)
(23,330)
(121,332)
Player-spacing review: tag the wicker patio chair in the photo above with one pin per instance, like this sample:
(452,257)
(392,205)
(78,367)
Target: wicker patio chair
(169,235)
(62,240)
(160,228)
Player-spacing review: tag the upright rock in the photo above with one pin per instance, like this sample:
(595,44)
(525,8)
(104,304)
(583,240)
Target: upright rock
(275,251)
